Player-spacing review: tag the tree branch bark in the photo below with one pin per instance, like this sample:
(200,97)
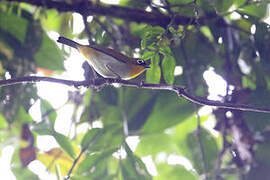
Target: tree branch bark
(87,8)
(102,82)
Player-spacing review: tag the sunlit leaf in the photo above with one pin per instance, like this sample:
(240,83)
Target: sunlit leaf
(174,172)
(153,144)
(65,143)
(59,157)
(168,66)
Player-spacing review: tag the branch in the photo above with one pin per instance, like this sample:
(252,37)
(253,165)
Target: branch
(102,82)
(88,8)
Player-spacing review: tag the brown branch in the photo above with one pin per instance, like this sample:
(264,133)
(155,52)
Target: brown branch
(87,8)
(101,82)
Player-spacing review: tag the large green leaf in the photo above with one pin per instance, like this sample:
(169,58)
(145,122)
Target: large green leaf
(15,25)
(49,56)
(174,172)
(182,130)
(153,144)
(168,110)
(258,10)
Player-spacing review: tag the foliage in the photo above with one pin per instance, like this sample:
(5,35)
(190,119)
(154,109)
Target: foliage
(229,37)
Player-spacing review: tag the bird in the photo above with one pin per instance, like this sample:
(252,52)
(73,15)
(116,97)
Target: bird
(108,62)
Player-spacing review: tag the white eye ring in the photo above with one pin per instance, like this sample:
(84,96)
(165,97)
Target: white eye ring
(140,61)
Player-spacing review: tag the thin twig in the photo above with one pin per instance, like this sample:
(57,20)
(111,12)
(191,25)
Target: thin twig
(102,82)
(74,163)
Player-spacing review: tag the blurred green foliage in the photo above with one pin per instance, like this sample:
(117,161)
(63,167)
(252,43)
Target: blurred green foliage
(232,39)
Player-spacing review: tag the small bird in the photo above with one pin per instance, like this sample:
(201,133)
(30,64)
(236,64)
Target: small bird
(108,62)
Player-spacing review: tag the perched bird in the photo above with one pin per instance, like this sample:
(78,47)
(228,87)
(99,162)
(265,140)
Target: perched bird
(108,62)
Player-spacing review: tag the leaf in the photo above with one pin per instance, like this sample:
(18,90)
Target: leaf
(154,73)
(58,157)
(43,128)
(166,114)
(138,105)
(153,144)
(89,137)
(22,116)
(65,144)
(109,138)
(210,149)
(147,55)
(132,167)
(223,5)
(13,24)
(182,130)
(49,55)
(258,10)
(20,172)
(47,111)
(174,172)
(93,160)
(168,66)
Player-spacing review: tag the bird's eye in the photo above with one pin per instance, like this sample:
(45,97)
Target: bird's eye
(140,61)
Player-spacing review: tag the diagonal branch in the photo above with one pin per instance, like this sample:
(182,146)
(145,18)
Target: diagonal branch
(87,8)
(102,82)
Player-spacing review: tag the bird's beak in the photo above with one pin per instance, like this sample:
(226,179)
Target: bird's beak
(147,63)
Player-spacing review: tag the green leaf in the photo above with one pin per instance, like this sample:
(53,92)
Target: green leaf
(154,73)
(94,159)
(210,149)
(109,138)
(89,137)
(13,24)
(49,56)
(48,111)
(174,172)
(43,128)
(147,55)
(168,66)
(166,114)
(182,130)
(138,105)
(22,116)
(258,10)
(132,167)
(153,144)
(223,5)
(65,144)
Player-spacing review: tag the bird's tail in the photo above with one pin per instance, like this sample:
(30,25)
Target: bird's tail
(68,42)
